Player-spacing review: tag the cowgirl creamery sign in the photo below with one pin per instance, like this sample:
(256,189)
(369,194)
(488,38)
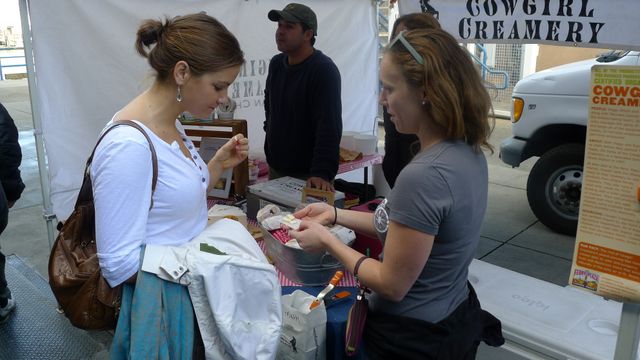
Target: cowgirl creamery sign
(586,23)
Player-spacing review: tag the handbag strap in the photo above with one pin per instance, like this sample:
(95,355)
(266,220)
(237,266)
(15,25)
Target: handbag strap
(86,191)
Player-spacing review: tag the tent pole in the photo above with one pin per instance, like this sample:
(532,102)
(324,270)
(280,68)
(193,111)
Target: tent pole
(48,215)
(628,332)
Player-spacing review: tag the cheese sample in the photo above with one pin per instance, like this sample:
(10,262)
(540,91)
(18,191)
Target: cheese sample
(291,222)
(218,212)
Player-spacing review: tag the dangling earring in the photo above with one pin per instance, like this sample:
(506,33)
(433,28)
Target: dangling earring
(179,95)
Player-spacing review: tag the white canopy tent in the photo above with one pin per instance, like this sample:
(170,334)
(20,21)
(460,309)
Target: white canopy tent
(86,68)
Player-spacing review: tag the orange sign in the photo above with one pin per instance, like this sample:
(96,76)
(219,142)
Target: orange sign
(609,261)
(606,258)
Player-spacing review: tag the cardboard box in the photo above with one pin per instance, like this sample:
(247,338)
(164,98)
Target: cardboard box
(285,192)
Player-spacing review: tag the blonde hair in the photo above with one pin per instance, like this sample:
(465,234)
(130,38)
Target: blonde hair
(199,39)
(458,104)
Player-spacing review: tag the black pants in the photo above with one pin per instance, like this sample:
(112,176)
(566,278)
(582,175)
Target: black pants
(5,294)
(456,337)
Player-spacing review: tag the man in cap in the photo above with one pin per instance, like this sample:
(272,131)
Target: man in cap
(303,108)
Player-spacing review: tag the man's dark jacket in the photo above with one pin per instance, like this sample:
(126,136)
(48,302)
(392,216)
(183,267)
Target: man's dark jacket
(303,116)
(10,158)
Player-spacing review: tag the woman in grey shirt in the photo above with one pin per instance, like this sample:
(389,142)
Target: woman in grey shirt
(421,304)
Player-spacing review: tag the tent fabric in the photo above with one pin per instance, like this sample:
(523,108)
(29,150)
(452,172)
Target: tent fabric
(87,68)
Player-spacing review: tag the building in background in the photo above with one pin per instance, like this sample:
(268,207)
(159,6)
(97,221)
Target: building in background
(12,61)
(10,37)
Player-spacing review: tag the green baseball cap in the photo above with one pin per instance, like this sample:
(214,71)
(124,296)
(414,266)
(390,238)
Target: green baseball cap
(296,13)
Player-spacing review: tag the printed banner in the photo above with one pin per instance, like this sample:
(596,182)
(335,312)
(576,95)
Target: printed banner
(606,258)
(585,23)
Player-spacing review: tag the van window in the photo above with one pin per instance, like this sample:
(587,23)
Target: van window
(612,55)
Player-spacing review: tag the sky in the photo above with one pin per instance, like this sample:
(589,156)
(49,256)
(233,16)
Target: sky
(10,14)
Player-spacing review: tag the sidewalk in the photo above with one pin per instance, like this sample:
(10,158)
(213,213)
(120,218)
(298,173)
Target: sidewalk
(36,330)
(26,233)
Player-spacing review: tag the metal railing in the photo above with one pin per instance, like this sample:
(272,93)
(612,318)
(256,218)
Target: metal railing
(485,69)
(383,23)
(2,66)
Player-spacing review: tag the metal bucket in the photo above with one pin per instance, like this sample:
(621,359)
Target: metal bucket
(298,265)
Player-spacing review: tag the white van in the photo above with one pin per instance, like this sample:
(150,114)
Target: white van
(549,115)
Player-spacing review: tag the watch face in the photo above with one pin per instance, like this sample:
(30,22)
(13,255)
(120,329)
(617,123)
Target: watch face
(381,218)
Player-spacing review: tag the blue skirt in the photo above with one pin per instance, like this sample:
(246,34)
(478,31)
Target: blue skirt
(156,321)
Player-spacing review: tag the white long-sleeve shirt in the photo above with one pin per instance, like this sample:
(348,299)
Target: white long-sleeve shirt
(121,174)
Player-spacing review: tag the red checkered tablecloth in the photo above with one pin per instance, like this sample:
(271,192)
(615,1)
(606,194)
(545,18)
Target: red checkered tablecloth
(365,161)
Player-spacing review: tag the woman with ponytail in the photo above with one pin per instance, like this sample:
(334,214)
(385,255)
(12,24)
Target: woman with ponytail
(195,59)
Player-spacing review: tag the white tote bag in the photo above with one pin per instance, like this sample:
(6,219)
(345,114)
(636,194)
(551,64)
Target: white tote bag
(303,335)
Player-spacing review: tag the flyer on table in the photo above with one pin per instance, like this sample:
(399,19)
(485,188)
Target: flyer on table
(606,258)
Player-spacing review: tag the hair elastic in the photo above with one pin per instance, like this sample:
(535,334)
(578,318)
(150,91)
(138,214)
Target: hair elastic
(335,215)
(358,263)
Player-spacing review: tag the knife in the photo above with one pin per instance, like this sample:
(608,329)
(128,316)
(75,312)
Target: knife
(334,281)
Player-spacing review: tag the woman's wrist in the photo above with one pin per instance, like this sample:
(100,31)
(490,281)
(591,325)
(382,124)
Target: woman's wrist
(216,169)
(217,164)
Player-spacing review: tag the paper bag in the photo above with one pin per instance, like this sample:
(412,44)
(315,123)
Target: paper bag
(303,330)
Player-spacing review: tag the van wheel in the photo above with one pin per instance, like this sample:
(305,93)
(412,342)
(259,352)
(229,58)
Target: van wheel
(554,187)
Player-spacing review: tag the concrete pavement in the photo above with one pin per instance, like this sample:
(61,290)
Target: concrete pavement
(26,233)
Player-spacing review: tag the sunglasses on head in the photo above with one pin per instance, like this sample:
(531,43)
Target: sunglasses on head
(407,45)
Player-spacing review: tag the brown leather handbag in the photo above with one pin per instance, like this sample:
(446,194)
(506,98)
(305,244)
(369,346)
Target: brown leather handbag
(75,278)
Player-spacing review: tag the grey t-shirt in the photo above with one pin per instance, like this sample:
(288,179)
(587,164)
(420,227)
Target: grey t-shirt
(442,192)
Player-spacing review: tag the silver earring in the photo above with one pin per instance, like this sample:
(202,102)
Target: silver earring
(424,102)
(179,95)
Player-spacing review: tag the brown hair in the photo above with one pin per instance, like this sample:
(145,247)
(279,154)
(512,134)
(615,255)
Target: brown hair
(416,21)
(199,39)
(458,103)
